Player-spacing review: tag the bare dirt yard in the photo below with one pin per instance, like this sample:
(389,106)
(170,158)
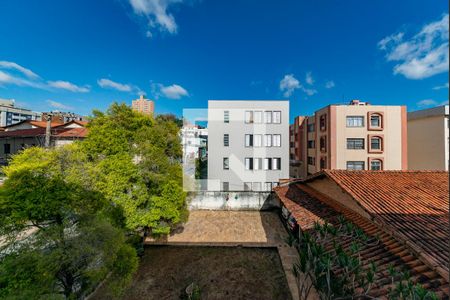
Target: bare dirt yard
(220,272)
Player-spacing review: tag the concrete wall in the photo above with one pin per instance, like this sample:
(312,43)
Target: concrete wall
(428,138)
(236,151)
(17,144)
(236,200)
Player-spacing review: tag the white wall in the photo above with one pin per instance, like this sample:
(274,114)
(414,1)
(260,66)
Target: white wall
(237,152)
(233,201)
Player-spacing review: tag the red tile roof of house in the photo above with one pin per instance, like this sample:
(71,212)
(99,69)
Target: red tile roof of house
(308,205)
(40,124)
(414,205)
(56,132)
(81,123)
(73,132)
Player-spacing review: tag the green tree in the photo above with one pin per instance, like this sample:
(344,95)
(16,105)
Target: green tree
(59,241)
(136,157)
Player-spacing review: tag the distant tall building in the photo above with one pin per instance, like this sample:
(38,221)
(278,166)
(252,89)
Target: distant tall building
(428,139)
(144,106)
(357,136)
(10,114)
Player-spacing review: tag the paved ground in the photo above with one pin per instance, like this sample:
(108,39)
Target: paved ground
(232,228)
(246,228)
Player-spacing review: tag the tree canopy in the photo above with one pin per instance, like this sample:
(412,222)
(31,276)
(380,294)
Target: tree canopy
(69,213)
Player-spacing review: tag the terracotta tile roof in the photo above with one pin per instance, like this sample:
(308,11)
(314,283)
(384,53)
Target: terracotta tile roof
(81,123)
(308,206)
(39,124)
(73,132)
(414,205)
(56,132)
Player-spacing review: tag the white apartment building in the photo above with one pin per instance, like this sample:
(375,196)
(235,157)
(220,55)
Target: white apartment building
(428,139)
(9,114)
(193,140)
(248,144)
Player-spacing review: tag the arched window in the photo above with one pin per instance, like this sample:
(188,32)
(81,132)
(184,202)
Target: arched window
(376,165)
(376,143)
(375,121)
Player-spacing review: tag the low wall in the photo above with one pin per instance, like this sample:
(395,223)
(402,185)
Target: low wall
(232,200)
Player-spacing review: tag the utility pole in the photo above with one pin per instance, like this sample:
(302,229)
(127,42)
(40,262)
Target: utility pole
(48,130)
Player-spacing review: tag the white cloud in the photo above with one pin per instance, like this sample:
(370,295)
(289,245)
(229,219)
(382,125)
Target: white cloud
(430,102)
(17,67)
(58,105)
(173,91)
(393,38)
(423,55)
(156,12)
(106,83)
(6,78)
(289,84)
(309,92)
(330,84)
(439,87)
(309,79)
(65,85)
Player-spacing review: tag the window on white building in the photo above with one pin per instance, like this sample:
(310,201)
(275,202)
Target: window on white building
(355,121)
(267,117)
(268,186)
(276,140)
(257,115)
(248,116)
(277,117)
(257,140)
(247,186)
(257,163)
(226,140)
(249,163)
(226,116)
(267,140)
(249,140)
(276,163)
(226,163)
(267,163)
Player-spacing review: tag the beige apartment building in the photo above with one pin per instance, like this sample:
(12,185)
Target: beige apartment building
(144,106)
(357,136)
(428,139)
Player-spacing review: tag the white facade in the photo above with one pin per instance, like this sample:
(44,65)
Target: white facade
(248,144)
(193,138)
(428,139)
(9,114)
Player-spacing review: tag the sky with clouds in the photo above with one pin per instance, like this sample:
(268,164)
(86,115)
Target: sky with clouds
(79,55)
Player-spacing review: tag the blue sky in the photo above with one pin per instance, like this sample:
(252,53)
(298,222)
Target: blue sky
(82,54)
